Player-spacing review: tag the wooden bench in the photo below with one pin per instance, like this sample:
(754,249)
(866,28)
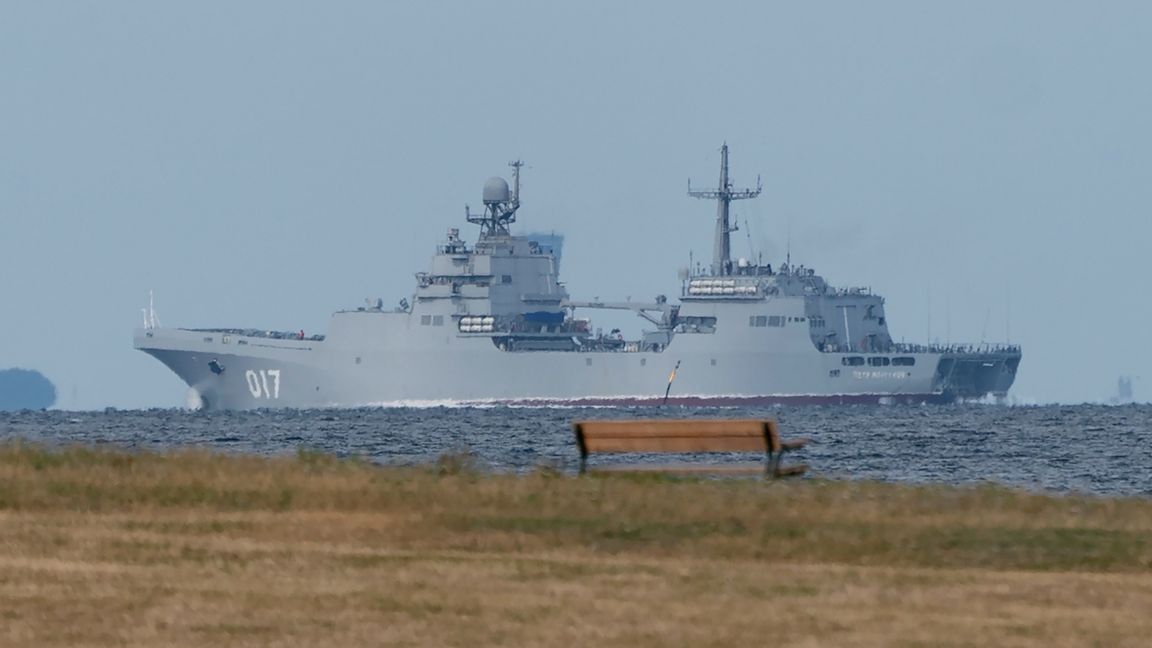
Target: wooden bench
(687,436)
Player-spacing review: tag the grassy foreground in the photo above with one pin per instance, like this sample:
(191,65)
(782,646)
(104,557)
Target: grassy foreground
(194,548)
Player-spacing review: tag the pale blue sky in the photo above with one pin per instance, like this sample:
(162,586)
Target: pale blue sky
(984,165)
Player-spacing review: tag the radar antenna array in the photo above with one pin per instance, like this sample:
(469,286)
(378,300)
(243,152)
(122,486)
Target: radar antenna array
(724,194)
(500,204)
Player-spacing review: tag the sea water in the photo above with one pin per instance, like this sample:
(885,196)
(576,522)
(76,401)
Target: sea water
(1082,448)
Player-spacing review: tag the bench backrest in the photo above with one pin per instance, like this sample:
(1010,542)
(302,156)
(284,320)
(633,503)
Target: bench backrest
(685,435)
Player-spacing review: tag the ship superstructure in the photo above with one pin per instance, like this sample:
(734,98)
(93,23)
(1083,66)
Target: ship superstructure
(491,322)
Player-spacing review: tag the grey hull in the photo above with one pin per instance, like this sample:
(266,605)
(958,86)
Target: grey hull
(319,374)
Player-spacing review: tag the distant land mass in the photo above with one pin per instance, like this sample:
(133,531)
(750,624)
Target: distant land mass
(25,389)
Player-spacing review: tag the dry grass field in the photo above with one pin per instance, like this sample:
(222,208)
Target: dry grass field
(104,548)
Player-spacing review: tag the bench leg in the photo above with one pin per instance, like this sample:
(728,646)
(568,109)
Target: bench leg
(776,471)
(773,464)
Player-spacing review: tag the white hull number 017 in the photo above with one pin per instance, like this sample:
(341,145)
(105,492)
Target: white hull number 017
(259,383)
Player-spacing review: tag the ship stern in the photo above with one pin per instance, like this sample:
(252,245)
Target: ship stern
(973,374)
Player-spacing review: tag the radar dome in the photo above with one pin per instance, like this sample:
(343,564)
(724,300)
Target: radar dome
(496,191)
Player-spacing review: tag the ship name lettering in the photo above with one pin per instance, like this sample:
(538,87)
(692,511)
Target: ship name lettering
(881,374)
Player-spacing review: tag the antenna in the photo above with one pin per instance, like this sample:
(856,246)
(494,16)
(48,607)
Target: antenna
(788,247)
(748,234)
(150,319)
(928,301)
(1008,317)
(947,320)
(516,164)
(984,331)
(724,194)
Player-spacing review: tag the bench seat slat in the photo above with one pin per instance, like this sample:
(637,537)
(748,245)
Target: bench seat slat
(674,444)
(667,428)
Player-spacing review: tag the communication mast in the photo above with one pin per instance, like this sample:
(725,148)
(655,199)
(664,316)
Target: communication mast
(724,195)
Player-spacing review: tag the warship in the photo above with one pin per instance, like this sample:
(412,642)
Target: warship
(491,322)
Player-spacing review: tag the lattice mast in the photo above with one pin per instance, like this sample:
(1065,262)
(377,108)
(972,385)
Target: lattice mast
(724,195)
(500,205)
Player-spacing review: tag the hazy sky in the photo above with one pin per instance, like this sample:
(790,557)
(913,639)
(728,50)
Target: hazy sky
(984,165)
